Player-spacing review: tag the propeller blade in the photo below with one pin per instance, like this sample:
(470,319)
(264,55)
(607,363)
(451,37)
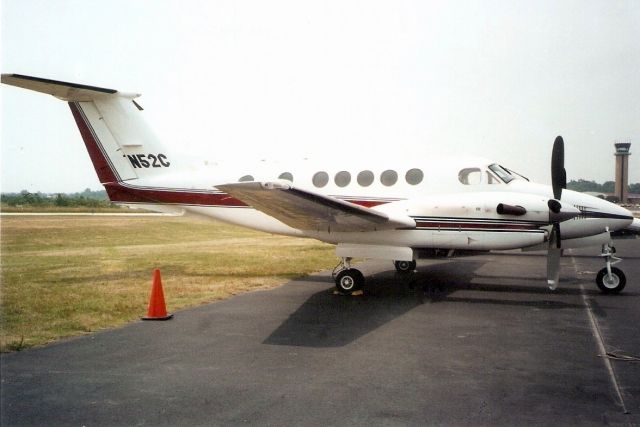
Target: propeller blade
(553,267)
(558,173)
(557,235)
(557,212)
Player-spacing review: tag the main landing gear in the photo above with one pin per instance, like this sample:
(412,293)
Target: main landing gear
(347,279)
(404,266)
(610,280)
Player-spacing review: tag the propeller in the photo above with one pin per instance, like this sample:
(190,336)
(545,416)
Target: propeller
(556,215)
(558,173)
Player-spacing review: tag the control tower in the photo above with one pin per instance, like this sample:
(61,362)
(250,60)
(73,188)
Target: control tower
(623,151)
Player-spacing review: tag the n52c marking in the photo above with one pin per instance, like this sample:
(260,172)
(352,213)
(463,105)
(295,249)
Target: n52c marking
(149,160)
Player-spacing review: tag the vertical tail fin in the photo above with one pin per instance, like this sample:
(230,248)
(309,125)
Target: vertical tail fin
(120,144)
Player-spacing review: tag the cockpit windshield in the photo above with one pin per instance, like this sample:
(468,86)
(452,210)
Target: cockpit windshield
(503,173)
(515,173)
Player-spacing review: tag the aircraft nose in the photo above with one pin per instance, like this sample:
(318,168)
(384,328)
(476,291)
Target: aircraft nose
(618,216)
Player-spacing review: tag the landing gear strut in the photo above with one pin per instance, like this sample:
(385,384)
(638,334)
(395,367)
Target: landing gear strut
(610,280)
(347,279)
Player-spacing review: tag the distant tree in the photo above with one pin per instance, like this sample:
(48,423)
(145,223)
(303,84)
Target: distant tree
(61,200)
(634,188)
(583,185)
(609,187)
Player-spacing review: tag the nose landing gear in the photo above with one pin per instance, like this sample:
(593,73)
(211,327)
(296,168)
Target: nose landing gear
(610,280)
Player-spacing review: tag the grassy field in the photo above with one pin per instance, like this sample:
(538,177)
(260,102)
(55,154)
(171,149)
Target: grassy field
(57,209)
(65,276)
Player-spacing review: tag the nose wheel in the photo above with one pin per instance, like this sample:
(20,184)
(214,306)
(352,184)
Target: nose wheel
(610,280)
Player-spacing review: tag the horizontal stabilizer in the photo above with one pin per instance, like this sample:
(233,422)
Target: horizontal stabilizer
(310,211)
(72,92)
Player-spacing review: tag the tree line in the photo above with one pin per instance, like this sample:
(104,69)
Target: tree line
(87,198)
(607,187)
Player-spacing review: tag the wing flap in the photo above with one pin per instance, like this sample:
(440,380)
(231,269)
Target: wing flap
(310,211)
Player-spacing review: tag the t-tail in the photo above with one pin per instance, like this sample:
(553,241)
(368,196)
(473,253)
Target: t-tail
(121,145)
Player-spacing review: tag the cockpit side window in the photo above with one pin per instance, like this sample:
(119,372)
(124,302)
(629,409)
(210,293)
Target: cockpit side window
(470,176)
(502,173)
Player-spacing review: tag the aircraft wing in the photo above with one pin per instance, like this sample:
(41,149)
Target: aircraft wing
(310,211)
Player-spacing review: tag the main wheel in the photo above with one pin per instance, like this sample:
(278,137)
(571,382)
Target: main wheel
(612,284)
(349,280)
(404,266)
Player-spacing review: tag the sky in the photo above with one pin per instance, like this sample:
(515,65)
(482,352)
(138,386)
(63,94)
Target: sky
(251,79)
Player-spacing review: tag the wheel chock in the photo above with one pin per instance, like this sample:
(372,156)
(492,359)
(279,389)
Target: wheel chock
(157,309)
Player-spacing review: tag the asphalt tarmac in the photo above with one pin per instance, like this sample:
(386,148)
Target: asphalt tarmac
(477,341)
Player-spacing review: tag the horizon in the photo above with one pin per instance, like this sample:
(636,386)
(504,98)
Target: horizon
(102,189)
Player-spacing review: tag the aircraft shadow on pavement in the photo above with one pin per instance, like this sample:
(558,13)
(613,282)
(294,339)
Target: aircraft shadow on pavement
(328,320)
(438,285)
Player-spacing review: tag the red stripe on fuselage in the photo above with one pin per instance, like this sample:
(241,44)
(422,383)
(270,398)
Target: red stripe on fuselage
(130,194)
(100,163)
(124,194)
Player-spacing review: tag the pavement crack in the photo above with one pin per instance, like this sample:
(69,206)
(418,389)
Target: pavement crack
(595,329)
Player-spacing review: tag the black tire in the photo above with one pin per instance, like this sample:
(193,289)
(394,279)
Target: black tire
(349,280)
(404,266)
(613,285)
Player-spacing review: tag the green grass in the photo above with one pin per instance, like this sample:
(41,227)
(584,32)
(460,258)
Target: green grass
(65,276)
(53,209)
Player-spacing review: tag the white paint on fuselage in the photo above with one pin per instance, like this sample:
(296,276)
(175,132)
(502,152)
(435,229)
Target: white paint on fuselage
(440,194)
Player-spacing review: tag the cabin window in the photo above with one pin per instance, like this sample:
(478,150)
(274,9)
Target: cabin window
(389,177)
(470,176)
(342,178)
(320,179)
(365,178)
(286,175)
(246,178)
(414,176)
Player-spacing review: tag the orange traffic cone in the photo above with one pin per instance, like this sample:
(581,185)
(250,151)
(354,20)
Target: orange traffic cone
(157,308)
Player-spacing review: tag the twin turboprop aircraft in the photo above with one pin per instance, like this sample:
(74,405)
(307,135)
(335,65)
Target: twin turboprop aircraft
(398,211)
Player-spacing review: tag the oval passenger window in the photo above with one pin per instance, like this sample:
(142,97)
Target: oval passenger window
(414,176)
(342,179)
(286,175)
(389,177)
(365,178)
(320,179)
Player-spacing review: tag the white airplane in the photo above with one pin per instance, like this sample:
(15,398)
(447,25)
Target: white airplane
(421,208)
